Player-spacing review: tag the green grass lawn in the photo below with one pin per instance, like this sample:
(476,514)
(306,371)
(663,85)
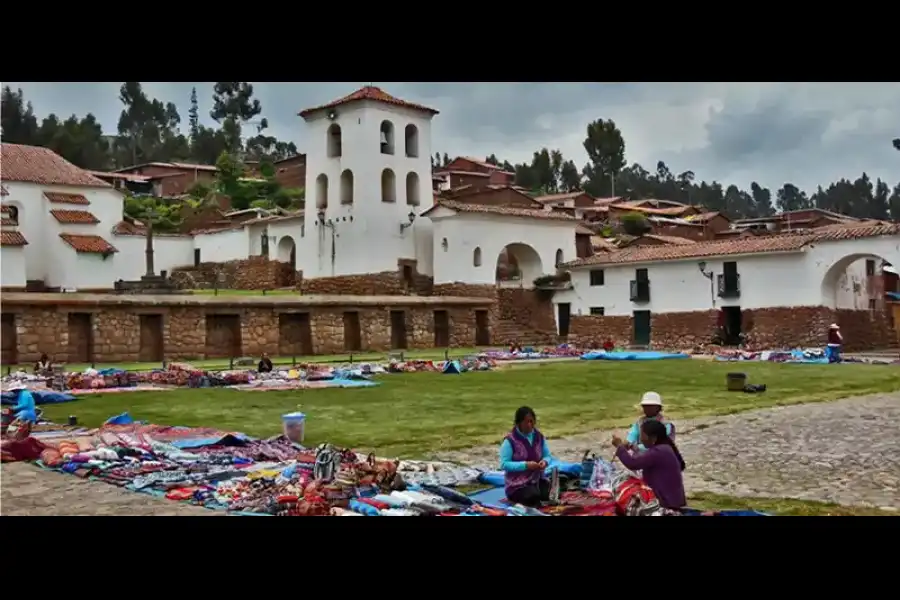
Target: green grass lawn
(784,507)
(420,414)
(223,363)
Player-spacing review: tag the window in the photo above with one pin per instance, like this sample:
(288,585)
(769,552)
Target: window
(387,137)
(388,186)
(641,275)
(729,269)
(334,141)
(870,267)
(597,311)
(445,244)
(412,141)
(559,257)
(597,277)
(476,258)
(347,187)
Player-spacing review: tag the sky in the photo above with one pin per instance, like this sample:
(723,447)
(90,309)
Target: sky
(804,133)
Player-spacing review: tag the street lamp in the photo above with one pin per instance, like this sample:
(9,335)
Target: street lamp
(411,217)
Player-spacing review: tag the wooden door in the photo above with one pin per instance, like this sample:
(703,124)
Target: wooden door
(81,338)
(352,332)
(151,349)
(398,330)
(441,329)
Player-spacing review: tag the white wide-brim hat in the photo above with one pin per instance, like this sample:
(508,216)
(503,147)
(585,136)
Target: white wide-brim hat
(651,399)
(834,326)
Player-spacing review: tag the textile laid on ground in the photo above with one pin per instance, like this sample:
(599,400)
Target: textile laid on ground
(626,355)
(229,471)
(798,356)
(561,351)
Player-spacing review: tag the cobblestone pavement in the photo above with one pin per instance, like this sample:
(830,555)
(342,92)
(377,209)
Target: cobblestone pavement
(26,490)
(846,452)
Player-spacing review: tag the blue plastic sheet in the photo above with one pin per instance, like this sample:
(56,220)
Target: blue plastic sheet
(637,355)
(40,397)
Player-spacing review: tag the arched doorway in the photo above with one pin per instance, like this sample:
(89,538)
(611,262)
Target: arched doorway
(520,263)
(287,251)
(859,282)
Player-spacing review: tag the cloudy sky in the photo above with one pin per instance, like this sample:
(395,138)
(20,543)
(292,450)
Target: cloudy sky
(805,133)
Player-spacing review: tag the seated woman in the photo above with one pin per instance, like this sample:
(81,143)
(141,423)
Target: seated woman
(43,366)
(652,406)
(661,464)
(265,364)
(523,457)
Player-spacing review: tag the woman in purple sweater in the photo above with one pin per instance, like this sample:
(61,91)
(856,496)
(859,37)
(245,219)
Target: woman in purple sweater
(661,464)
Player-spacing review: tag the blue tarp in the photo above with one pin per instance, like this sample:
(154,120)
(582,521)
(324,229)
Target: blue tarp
(452,367)
(637,355)
(496,478)
(40,397)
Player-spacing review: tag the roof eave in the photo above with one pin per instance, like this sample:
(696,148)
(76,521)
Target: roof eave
(571,266)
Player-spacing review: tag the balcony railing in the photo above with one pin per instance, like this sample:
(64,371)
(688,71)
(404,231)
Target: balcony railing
(640,291)
(728,287)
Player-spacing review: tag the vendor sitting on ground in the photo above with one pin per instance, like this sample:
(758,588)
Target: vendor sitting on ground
(265,364)
(661,463)
(835,341)
(652,405)
(43,366)
(524,455)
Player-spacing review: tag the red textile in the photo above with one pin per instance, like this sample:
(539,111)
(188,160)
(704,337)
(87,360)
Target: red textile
(18,450)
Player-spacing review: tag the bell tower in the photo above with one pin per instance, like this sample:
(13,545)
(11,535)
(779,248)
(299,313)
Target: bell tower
(368,176)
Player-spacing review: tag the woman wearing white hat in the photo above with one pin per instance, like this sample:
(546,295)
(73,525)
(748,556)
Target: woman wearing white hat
(835,341)
(652,405)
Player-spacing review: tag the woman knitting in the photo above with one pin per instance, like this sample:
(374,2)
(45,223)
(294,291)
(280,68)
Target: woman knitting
(524,456)
(661,464)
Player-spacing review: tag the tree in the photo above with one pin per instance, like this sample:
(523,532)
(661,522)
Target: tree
(605,148)
(148,129)
(790,198)
(233,106)
(19,125)
(194,116)
(897,143)
(569,177)
(879,205)
(635,224)
(894,204)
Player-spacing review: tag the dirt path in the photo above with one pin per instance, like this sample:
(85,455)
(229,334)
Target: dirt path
(847,452)
(26,490)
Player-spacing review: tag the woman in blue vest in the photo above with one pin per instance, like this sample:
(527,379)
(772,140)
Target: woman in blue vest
(524,455)
(652,405)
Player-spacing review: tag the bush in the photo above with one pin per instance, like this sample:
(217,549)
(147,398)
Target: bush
(635,224)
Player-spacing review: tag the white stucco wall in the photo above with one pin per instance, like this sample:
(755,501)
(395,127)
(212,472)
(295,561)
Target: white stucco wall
(465,232)
(129,263)
(364,237)
(806,278)
(43,256)
(222,246)
(12,266)
(852,286)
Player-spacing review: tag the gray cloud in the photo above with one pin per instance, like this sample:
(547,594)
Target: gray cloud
(806,133)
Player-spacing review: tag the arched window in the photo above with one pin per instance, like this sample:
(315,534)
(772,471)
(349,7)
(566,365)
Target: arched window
(334,140)
(387,137)
(412,141)
(476,258)
(559,257)
(388,186)
(412,189)
(322,191)
(347,187)
(445,244)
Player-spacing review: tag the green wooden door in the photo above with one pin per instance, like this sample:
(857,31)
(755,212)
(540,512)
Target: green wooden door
(642,328)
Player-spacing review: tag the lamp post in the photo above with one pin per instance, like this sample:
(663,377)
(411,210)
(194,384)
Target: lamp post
(411,217)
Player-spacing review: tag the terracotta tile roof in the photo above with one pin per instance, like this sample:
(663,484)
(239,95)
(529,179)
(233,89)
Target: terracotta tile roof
(12,238)
(80,217)
(31,164)
(369,92)
(485,164)
(746,245)
(672,210)
(704,217)
(559,197)
(61,198)
(499,210)
(120,176)
(466,173)
(167,165)
(137,228)
(93,244)
(600,243)
(670,239)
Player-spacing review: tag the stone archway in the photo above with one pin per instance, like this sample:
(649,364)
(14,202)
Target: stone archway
(287,251)
(519,262)
(856,281)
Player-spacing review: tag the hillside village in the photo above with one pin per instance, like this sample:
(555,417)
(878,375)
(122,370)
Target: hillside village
(541,267)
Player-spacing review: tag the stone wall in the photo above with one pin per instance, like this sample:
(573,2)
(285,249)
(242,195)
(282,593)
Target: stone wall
(117,335)
(682,331)
(387,283)
(591,331)
(254,273)
(866,329)
(528,308)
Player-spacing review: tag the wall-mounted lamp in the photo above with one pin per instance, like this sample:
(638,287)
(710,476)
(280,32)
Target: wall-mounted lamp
(702,266)
(412,217)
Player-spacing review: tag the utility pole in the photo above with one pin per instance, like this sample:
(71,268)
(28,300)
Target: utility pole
(150,215)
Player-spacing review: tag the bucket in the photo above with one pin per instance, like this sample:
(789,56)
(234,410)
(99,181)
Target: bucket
(735,382)
(294,426)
